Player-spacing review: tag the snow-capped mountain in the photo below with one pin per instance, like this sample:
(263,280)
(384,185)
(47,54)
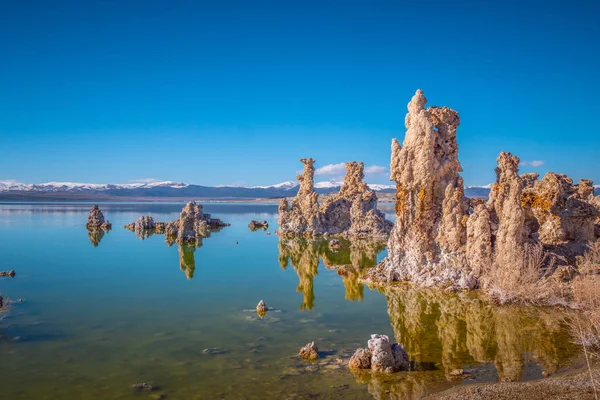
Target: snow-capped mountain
(12,185)
(64,191)
(328,185)
(282,185)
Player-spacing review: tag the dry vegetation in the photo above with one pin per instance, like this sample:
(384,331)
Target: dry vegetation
(528,279)
(533,279)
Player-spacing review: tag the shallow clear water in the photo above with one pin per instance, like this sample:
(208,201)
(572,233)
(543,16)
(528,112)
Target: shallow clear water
(102,313)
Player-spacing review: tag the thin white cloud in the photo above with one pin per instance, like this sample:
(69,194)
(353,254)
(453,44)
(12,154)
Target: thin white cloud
(145,180)
(331,170)
(534,163)
(375,170)
(339,169)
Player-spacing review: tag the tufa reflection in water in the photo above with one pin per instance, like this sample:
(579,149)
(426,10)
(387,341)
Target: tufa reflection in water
(186,250)
(350,261)
(187,262)
(444,333)
(96,234)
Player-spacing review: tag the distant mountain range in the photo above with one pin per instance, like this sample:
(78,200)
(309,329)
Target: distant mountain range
(168,190)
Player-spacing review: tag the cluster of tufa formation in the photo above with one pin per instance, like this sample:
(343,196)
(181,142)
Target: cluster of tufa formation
(352,212)
(442,238)
(380,356)
(190,228)
(256,225)
(96,220)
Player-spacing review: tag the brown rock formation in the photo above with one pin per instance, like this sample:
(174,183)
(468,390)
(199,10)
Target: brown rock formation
(427,242)
(96,219)
(564,212)
(506,213)
(256,225)
(440,238)
(351,213)
(381,356)
(309,352)
(479,239)
(191,227)
(261,309)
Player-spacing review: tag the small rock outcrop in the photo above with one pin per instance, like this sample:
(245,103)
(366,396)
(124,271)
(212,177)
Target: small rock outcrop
(256,225)
(309,352)
(334,244)
(351,213)
(96,219)
(380,356)
(9,273)
(261,309)
(143,223)
(194,223)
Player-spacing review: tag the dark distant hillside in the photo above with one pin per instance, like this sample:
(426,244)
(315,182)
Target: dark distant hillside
(188,192)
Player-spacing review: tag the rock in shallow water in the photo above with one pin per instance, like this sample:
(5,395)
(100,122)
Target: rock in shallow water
(381,356)
(143,386)
(309,352)
(96,219)
(255,225)
(261,309)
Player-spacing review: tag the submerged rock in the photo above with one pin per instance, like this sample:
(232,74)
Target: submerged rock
(255,225)
(96,219)
(143,386)
(352,212)
(381,356)
(309,352)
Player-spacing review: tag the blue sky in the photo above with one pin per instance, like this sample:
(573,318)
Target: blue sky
(222,92)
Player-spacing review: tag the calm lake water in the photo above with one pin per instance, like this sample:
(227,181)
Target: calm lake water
(102,313)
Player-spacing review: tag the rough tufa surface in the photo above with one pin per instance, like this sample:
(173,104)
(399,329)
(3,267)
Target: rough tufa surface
(96,220)
(380,356)
(350,213)
(442,239)
(190,228)
(309,352)
(427,243)
(256,225)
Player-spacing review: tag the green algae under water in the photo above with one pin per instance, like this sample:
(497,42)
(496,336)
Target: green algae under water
(103,311)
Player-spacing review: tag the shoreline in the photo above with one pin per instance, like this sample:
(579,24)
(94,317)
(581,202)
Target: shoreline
(573,383)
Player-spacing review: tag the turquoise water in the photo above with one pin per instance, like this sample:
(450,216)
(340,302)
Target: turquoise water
(96,319)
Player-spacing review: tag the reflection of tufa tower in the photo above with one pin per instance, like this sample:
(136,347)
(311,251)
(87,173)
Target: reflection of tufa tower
(451,331)
(349,261)
(187,262)
(95,235)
